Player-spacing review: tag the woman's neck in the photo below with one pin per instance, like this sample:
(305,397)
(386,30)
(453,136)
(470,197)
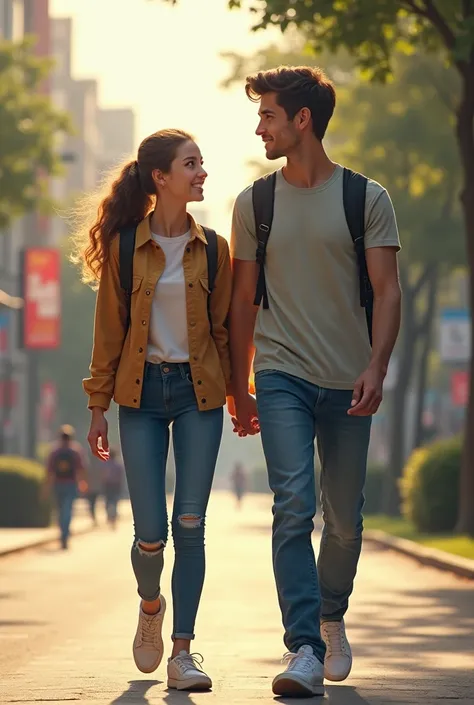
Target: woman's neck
(169,219)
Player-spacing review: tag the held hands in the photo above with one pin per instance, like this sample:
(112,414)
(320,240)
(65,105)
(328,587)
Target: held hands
(367,393)
(243,411)
(98,434)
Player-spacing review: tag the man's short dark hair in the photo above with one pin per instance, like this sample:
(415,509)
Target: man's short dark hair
(297,87)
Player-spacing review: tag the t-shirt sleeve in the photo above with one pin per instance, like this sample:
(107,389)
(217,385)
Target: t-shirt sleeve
(243,241)
(381,229)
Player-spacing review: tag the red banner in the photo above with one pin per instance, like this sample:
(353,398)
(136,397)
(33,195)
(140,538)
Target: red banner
(460,388)
(42,309)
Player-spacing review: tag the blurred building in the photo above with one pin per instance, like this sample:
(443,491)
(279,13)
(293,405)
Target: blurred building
(101,137)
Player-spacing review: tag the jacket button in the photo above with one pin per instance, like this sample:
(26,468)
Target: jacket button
(203,401)
(137,381)
(148,292)
(143,323)
(135,401)
(140,350)
(195,358)
(192,324)
(188,249)
(199,381)
(191,285)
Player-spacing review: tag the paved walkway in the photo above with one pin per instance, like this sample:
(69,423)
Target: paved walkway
(13,540)
(67,622)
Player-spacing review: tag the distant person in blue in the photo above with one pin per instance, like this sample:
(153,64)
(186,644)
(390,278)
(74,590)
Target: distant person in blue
(113,475)
(239,482)
(66,476)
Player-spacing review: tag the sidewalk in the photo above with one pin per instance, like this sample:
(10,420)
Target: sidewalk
(411,627)
(15,540)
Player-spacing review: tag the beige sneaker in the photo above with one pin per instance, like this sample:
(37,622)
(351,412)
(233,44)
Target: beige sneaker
(148,642)
(303,677)
(338,661)
(185,673)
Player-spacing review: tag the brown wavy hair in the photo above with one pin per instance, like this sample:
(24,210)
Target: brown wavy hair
(125,197)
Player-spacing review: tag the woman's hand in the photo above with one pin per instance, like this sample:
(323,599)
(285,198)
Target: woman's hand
(98,434)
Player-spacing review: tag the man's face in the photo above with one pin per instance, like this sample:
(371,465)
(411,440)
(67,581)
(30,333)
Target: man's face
(279,134)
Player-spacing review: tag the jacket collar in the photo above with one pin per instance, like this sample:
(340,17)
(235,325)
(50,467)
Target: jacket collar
(144,232)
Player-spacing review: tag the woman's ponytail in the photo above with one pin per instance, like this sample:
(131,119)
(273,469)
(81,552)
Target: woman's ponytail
(126,203)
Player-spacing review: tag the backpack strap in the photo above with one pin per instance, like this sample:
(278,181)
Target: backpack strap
(126,252)
(354,193)
(263,200)
(212,259)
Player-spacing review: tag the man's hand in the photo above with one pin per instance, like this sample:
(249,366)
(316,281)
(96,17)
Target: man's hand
(243,411)
(367,393)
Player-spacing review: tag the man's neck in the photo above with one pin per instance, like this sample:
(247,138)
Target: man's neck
(308,166)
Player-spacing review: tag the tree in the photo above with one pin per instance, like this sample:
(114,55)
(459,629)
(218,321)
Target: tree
(29,127)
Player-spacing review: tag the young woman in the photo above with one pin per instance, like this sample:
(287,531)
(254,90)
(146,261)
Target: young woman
(163,357)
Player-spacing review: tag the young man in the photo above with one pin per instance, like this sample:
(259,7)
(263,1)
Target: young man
(316,373)
(66,473)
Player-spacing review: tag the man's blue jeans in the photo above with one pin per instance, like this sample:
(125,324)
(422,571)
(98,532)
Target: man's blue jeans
(292,413)
(66,493)
(168,398)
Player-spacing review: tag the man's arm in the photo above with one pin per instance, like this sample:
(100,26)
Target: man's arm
(382,268)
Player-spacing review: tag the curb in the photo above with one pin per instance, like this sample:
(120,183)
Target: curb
(41,542)
(462,567)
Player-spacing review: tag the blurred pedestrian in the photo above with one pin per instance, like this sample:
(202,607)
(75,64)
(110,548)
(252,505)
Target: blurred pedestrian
(162,354)
(239,481)
(113,475)
(65,477)
(94,481)
(332,252)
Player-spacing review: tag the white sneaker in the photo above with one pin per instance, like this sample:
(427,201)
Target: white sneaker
(338,661)
(303,676)
(185,672)
(148,642)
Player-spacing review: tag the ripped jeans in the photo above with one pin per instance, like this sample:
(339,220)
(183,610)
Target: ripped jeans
(168,398)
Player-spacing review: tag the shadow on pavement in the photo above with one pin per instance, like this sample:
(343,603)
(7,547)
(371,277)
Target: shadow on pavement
(136,692)
(335,695)
(21,623)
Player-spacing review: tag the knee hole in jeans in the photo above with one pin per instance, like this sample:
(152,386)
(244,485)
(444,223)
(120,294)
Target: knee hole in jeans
(146,548)
(190,521)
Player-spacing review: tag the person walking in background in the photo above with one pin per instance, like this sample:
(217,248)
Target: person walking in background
(161,351)
(65,476)
(113,475)
(312,242)
(239,481)
(94,487)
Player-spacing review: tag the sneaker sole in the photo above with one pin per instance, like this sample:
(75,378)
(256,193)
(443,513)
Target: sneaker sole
(161,647)
(336,679)
(190,684)
(294,687)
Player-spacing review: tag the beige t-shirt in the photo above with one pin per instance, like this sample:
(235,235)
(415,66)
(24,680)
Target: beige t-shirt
(315,327)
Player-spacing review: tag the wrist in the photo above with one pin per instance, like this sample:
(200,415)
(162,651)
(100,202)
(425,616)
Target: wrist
(97,411)
(378,366)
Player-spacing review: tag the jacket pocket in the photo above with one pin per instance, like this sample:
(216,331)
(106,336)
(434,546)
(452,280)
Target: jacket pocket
(136,282)
(205,284)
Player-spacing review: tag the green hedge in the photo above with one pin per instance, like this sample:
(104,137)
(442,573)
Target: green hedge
(21,480)
(430,486)
(373,489)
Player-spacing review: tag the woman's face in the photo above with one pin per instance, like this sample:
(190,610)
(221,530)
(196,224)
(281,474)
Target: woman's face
(186,177)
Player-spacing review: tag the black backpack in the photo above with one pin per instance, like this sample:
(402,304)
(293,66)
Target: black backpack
(64,464)
(127,250)
(354,191)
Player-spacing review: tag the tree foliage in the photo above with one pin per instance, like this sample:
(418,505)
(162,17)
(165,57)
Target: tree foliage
(29,129)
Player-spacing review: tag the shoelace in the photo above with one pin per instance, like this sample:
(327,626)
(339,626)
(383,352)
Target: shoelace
(335,641)
(148,631)
(301,661)
(189,661)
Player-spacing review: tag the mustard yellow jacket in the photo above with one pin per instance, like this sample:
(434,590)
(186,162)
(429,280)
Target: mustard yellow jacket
(118,357)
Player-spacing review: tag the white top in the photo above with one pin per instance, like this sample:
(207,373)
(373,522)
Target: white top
(168,332)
